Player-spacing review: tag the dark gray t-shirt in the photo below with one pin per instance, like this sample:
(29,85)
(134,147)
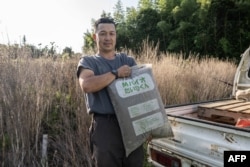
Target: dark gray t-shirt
(99,102)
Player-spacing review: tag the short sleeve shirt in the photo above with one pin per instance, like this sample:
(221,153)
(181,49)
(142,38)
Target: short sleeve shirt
(99,102)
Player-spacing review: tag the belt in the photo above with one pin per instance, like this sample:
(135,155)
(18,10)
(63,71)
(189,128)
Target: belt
(104,115)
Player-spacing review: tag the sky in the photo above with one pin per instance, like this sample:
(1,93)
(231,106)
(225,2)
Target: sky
(63,22)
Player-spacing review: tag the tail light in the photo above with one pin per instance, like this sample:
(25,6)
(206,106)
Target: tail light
(243,122)
(164,159)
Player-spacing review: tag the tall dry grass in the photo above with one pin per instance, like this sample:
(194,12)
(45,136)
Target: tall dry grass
(192,80)
(183,80)
(42,96)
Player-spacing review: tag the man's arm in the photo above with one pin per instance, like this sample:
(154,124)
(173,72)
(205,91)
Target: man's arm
(92,83)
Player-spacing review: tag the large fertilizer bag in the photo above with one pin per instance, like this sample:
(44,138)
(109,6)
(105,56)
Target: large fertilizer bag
(139,108)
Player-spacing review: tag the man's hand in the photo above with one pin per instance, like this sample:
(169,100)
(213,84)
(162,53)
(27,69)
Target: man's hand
(124,71)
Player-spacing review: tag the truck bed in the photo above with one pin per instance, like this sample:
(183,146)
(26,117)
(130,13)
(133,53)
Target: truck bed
(227,112)
(203,131)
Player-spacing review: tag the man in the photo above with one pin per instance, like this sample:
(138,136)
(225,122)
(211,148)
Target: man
(95,73)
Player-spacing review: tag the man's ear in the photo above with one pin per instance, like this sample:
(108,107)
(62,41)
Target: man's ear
(94,36)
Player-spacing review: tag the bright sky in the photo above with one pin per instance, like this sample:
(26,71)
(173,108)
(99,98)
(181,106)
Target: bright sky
(43,21)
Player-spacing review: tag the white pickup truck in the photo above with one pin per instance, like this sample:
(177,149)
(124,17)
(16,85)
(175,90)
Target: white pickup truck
(203,131)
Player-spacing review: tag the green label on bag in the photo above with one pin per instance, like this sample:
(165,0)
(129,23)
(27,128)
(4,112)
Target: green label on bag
(134,86)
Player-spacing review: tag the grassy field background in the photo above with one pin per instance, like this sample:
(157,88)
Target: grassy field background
(41,99)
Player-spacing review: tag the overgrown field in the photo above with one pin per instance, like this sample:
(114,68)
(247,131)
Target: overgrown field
(41,98)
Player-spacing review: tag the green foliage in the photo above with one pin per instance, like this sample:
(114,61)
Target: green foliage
(217,28)
(68,51)
(225,45)
(105,14)
(161,5)
(146,4)
(119,14)
(119,18)
(147,20)
(89,43)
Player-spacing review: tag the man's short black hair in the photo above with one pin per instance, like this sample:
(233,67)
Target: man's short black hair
(103,20)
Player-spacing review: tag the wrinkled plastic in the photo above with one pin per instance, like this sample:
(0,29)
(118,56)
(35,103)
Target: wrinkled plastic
(139,108)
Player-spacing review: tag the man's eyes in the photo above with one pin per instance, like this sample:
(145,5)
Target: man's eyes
(107,34)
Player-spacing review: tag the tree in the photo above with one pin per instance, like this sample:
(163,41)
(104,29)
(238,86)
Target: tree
(217,26)
(131,27)
(119,14)
(52,50)
(119,18)
(209,27)
(146,4)
(68,51)
(105,14)
(89,43)
(146,28)
(165,28)
(24,40)
(161,6)
(185,26)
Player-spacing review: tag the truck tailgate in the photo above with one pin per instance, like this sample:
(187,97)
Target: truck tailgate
(200,140)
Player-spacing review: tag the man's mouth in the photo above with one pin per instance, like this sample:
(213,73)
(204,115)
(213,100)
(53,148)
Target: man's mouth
(107,44)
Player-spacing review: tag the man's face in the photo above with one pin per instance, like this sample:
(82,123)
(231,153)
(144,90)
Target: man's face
(105,37)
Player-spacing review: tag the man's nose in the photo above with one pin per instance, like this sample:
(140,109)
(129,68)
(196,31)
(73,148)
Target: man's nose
(107,36)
